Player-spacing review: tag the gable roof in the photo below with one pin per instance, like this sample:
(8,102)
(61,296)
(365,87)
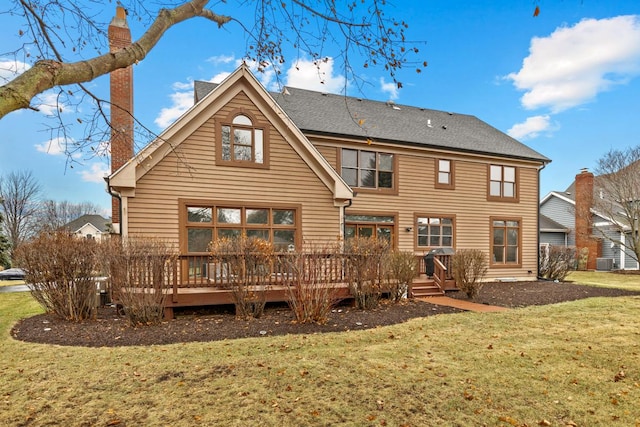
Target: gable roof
(330,114)
(126,177)
(551,226)
(100,223)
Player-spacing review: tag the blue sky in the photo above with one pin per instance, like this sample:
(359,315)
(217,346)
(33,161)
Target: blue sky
(566,83)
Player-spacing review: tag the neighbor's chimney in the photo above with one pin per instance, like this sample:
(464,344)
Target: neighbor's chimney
(584,228)
(121,103)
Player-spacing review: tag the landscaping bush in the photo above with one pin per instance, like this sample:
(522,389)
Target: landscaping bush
(469,268)
(60,271)
(313,294)
(556,262)
(583,259)
(140,271)
(364,269)
(402,269)
(248,265)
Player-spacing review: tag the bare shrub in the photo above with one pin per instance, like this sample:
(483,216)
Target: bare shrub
(248,265)
(313,294)
(556,262)
(469,268)
(140,271)
(364,269)
(583,258)
(402,269)
(60,272)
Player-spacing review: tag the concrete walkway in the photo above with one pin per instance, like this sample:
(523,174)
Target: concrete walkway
(14,288)
(463,305)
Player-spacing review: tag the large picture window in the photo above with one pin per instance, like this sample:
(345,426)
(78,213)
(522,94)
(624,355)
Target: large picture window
(505,241)
(205,222)
(378,226)
(242,142)
(503,183)
(368,169)
(434,231)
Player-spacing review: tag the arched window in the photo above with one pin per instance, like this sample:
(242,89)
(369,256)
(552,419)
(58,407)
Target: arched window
(242,141)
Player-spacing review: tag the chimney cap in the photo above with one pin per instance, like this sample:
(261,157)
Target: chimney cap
(584,170)
(120,19)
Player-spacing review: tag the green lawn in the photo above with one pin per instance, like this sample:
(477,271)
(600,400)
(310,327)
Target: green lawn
(573,362)
(606,279)
(11,282)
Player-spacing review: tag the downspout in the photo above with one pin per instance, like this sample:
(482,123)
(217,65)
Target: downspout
(344,220)
(117,196)
(544,165)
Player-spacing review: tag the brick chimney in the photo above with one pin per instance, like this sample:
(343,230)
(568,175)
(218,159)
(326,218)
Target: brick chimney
(121,103)
(584,228)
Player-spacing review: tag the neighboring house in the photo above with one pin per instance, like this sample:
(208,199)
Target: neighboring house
(563,208)
(553,233)
(303,166)
(90,227)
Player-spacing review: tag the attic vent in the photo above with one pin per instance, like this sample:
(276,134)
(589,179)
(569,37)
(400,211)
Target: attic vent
(325,94)
(392,104)
(444,127)
(429,125)
(285,91)
(395,107)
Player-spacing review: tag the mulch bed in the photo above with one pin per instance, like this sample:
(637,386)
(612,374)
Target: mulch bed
(219,323)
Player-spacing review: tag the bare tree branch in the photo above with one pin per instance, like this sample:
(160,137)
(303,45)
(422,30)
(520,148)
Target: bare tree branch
(47,73)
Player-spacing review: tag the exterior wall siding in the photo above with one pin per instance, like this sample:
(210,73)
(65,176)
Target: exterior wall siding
(467,203)
(554,239)
(190,172)
(563,213)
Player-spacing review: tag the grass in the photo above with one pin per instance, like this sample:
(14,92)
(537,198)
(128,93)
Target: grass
(606,279)
(11,282)
(572,362)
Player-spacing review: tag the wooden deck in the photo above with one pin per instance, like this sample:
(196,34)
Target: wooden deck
(197,281)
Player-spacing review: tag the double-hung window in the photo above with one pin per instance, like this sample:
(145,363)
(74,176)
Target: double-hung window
(444,174)
(368,169)
(503,183)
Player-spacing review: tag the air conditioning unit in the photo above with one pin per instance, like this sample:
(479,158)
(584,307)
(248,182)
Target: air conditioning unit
(604,264)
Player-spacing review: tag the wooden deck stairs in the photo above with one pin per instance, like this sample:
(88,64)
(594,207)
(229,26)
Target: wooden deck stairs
(424,286)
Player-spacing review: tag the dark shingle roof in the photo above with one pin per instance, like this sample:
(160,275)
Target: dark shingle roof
(101,223)
(330,114)
(547,224)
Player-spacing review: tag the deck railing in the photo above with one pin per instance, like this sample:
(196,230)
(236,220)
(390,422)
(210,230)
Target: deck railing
(445,260)
(281,269)
(284,269)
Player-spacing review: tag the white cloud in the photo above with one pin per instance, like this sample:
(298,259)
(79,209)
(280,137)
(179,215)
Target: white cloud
(572,65)
(531,127)
(48,104)
(319,76)
(55,147)
(181,101)
(9,69)
(221,59)
(390,88)
(96,173)
(219,77)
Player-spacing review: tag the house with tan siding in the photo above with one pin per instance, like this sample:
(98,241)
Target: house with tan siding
(301,166)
